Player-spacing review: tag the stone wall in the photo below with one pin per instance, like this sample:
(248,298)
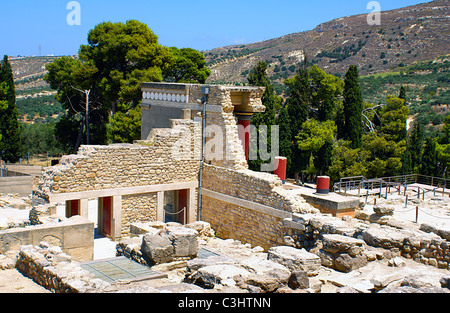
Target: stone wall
(420,243)
(75,236)
(141,207)
(22,185)
(145,163)
(243,224)
(264,226)
(54,270)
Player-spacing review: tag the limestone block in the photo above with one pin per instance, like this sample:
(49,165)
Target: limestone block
(387,238)
(209,276)
(339,244)
(295,259)
(383,209)
(158,249)
(298,280)
(346,263)
(184,241)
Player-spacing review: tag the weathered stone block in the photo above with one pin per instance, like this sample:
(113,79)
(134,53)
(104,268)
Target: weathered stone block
(383,209)
(345,263)
(298,280)
(158,249)
(184,241)
(295,259)
(339,244)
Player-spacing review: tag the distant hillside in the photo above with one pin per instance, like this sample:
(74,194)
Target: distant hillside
(415,33)
(34,99)
(427,89)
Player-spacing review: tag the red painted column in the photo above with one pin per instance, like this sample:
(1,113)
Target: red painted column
(323,185)
(280,168)
(244,130)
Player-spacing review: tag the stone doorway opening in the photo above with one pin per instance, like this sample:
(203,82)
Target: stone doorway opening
(176,206)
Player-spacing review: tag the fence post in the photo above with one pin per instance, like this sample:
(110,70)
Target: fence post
(417,214)
(406,201)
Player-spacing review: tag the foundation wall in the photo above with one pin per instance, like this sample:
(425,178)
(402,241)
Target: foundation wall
(138,208)
(248,206)
(75,236)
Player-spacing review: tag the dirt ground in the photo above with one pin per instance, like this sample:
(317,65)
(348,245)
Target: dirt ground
(12,281)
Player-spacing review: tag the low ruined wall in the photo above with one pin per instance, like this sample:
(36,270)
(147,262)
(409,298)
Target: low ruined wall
(75,236)
(150,162)
(422,245)
(259,218)
(55,271)
(243,224)
(22,185)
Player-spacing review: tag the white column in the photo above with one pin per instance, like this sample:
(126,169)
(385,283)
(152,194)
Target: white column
(192,206)
(116,230)
(160,216)
(84,208)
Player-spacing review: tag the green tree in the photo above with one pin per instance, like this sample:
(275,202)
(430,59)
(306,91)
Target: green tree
(316,139)
(3,103)
(353,105)
(9,124)
(402,94)
(393,118)
(325,89)
(297,103)
(125,126)
(70,77)
(407,163)
(346,162)
(258,77)
(415,146)
(429,165)
(284,123)
(189,67)
(114,63)
(38,138)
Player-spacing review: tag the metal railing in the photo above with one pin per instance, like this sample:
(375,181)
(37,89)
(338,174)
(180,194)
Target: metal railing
(395,183)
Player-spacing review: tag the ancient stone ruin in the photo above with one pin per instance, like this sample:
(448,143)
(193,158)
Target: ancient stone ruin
(215,226)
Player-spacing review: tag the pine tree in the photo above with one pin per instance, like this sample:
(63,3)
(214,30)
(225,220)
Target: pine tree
(353,105)
(9,124)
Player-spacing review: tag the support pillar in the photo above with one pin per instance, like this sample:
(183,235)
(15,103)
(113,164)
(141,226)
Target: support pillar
(160,216)
(84,208)
(244,130)
(280,168)
(117,217)
(192,206)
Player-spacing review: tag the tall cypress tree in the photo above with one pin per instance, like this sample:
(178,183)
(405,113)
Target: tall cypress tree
(286,144)
(298,101)
(429,164)
(402,94)
(353,105)
(9,124)
(415,146)
(258,77)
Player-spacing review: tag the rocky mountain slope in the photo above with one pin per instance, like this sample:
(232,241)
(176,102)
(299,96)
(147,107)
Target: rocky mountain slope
(415,33)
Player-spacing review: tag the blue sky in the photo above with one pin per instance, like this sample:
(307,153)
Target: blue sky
(27,25)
